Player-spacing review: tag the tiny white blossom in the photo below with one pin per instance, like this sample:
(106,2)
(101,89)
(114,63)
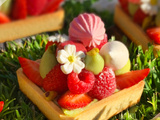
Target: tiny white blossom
(70,59)
(58,37)
(148,8)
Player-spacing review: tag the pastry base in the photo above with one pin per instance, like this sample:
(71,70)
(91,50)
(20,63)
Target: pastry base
(31,26)
(132,30)
(101,110)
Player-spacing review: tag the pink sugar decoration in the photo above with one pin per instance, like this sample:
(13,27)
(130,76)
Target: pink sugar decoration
(88,29)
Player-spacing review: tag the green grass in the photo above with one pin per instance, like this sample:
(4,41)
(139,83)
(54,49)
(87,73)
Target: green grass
(19,107)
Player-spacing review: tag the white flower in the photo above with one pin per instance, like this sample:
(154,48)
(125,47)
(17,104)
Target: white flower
(149,7)
(58,37)
(70,59)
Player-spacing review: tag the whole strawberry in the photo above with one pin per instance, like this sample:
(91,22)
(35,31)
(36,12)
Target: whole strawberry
(55,80)
(105,84)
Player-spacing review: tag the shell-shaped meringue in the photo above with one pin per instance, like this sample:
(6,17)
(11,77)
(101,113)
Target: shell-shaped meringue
(88,29)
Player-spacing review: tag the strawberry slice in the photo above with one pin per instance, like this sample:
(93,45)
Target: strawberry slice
(51,6)
(72,101)
(139,16)
(19,9)
(31,70)
(131,78)
(124,5)
(1,105)
(135,1)
(49,43)
(4,18)
(35,7)
(154,34)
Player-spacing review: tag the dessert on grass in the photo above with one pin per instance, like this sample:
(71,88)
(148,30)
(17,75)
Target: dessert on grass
(145,13)
(84,68)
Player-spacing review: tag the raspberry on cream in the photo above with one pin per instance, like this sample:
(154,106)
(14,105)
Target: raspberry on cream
(70,59)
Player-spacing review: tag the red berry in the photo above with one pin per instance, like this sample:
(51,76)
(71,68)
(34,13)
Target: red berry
(4,18)
(31,70)
(154,34)
(49,43)
(71,101)
(104,41)
(51,6)
(55,80)
(82,82)
(35,7)
(124,5)
(135,1)
(19,9)
(105,84)
(131,78)
(1,105)
(139,16)
(79,46)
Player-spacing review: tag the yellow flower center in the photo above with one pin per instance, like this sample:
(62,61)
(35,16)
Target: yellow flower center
(71,59)
(153,2)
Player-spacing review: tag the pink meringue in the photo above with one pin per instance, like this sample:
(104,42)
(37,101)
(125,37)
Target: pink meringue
(88,29)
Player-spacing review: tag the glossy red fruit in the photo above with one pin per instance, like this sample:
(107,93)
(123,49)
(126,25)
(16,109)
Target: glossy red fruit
(82,82)
(31,70)
(79,46)
(124,5)
(139,16)
(1,105)
(154,34)
(49,43)
(19,9)
(105,84)
(135,1)
(71,101)
(55,80)
(4,18)
(35,7)
(51,6)
(104,41)
(131,78)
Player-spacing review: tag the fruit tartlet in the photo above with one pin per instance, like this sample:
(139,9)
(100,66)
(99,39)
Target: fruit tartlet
(83,75)
(22,18)
(140,20)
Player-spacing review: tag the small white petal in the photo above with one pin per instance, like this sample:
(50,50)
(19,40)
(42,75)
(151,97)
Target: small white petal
(67,68)
(80,54)
(70,49)
(78,66)
(62,56)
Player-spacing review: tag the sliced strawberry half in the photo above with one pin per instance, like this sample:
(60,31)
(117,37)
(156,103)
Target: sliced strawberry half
(124,5)
(4,18)
(139,16)
(1,105)
(31,70)
(154,34)
(51,6)
(131,78)
(35,7)
(72,101)
(19,9)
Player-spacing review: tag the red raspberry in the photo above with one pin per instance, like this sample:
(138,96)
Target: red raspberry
(105,84)
(82,82)
(55,80)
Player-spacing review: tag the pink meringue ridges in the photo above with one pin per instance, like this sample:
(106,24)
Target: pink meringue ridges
(88,29)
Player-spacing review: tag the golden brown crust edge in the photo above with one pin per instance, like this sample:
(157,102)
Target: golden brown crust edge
(101,110)
(31,26)
(132,30)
